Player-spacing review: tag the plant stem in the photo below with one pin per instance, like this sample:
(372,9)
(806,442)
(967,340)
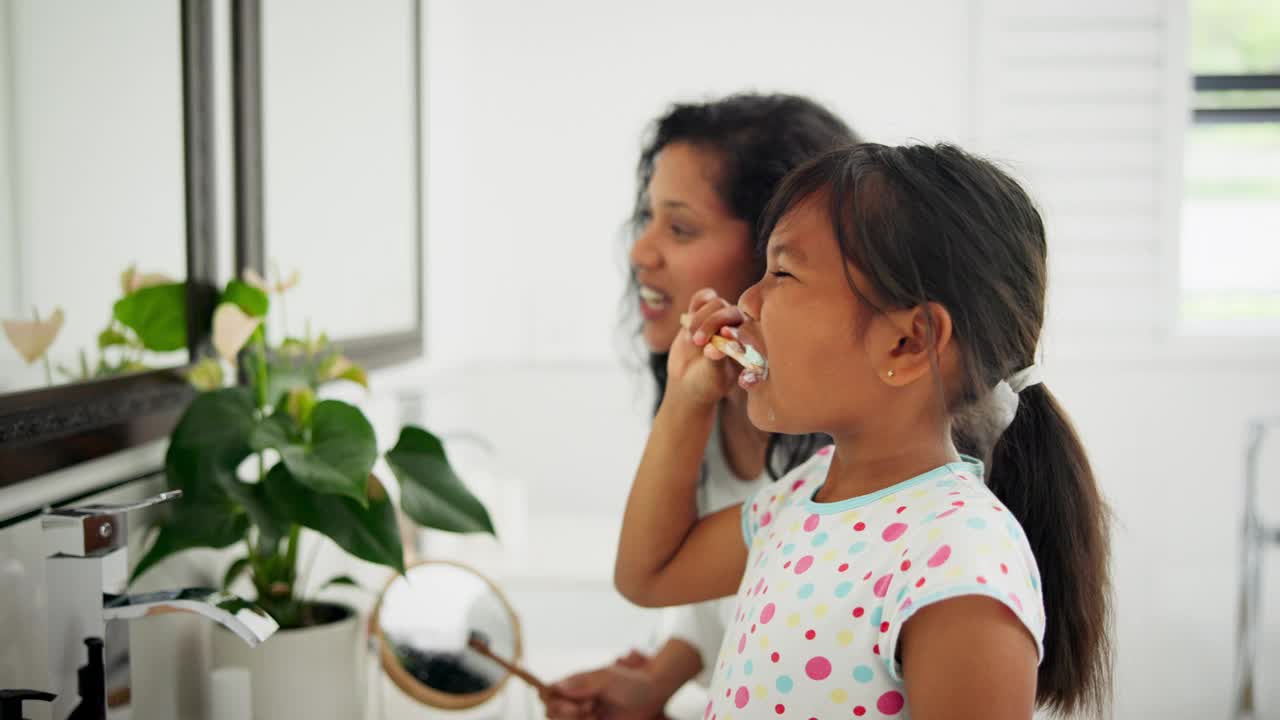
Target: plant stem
(261,370)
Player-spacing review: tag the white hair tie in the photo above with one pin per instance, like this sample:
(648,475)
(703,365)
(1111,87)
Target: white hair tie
(1025,378)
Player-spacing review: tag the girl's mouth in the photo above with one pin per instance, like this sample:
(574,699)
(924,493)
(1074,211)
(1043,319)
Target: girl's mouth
(653,302)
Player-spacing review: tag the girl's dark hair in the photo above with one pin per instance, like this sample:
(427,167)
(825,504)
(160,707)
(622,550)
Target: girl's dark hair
(759,139)
(935,224)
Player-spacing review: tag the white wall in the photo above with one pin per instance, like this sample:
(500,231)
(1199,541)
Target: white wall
(535,117)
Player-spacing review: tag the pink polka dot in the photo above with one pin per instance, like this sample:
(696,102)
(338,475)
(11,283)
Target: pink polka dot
(1004,568)
(797,485)
(982,580)
(753,628)
(818,668)
(804,564)
(859,526)
(811,523)
(857,612)
(1016,601)
(768,518)
(767,613)
(707,713)
(859,711)
(867,576)
(843,567)
(890,703)
(742,644)
(876,648)
(882,585)
(958,503)
(809,635)
(742,697)
(905,566)
(779,708)
(940,556)
(786,565)
(884,626)
(825,450)
(775,657)
(906,605)
(952,511)
(920,582)
(893,532)
(759,585)
(901,508)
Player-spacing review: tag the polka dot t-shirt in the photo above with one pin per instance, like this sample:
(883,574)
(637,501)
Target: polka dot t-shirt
(828,587)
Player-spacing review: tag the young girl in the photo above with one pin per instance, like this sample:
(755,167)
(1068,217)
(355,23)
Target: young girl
(888,576)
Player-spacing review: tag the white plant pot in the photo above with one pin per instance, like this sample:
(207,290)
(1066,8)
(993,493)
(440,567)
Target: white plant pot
(307,674)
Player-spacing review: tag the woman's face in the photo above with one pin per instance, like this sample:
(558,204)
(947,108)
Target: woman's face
(690,241)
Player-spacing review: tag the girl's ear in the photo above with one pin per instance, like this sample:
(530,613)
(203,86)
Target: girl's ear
(903,343)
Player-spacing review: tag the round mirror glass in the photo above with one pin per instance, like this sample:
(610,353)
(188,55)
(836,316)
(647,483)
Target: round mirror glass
(425,618)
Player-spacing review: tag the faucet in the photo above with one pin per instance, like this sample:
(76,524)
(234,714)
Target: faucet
(87,568)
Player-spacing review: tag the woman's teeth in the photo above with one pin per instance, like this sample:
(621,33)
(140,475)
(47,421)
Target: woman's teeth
(651,297)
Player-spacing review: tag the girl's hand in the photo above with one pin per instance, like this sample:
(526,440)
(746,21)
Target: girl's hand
(696,371)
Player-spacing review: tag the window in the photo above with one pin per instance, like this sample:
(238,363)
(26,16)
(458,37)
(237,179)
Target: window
(1230,260)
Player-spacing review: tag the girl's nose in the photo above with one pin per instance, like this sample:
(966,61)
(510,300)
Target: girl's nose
(749,303)
(644,253)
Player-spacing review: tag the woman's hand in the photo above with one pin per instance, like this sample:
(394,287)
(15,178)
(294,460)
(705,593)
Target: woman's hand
(626,690)
(696,370)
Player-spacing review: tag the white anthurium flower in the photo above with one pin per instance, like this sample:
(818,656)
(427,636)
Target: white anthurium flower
(131,281)
(232,328)
(31,338)
(283,286)
(252,278)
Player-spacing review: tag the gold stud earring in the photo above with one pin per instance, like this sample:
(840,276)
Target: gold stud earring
(890,373)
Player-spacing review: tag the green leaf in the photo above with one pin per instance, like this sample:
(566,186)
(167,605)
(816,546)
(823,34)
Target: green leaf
(194,526)
(251,300)
(340,580)
(340,454)
(158,315)
(111,338)
(430,492)
(369,533)
(234,572)
(275,432)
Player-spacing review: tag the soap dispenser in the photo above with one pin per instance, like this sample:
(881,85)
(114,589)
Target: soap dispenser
(11,702)
(93,685)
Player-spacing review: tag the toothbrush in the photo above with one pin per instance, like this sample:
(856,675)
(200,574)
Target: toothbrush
(746,356)
(477,641)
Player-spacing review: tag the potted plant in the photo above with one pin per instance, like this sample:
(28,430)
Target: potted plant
(260,461)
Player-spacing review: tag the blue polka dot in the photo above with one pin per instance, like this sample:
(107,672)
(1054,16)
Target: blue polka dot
(843,589)
(729,674)
(788,548)
(748,668)
(863,674)
(931,517)
(784,684)
(946,483)
(820,539)
(976,523)
(1013,529)
(876,616)
(857,548)
(902,593)
(805,591)
(1035,583)
(751,615)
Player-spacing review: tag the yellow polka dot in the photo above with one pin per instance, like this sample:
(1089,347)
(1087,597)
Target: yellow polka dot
(762,691)
(1006,545)
(764,642)
(820,611)
(795,527)
(890,499)
(839,696)
(784,586)
(955,572)
(793,620)
(845,637)
(984,549)
(849,516)
(829,555)
(934,534)
(920,493)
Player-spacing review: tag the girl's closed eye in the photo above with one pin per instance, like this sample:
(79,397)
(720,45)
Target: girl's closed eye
(781,274)
(682,231)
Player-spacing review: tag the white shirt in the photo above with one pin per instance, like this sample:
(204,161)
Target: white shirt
(828,587)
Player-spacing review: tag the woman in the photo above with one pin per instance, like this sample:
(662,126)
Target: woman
(704,177)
